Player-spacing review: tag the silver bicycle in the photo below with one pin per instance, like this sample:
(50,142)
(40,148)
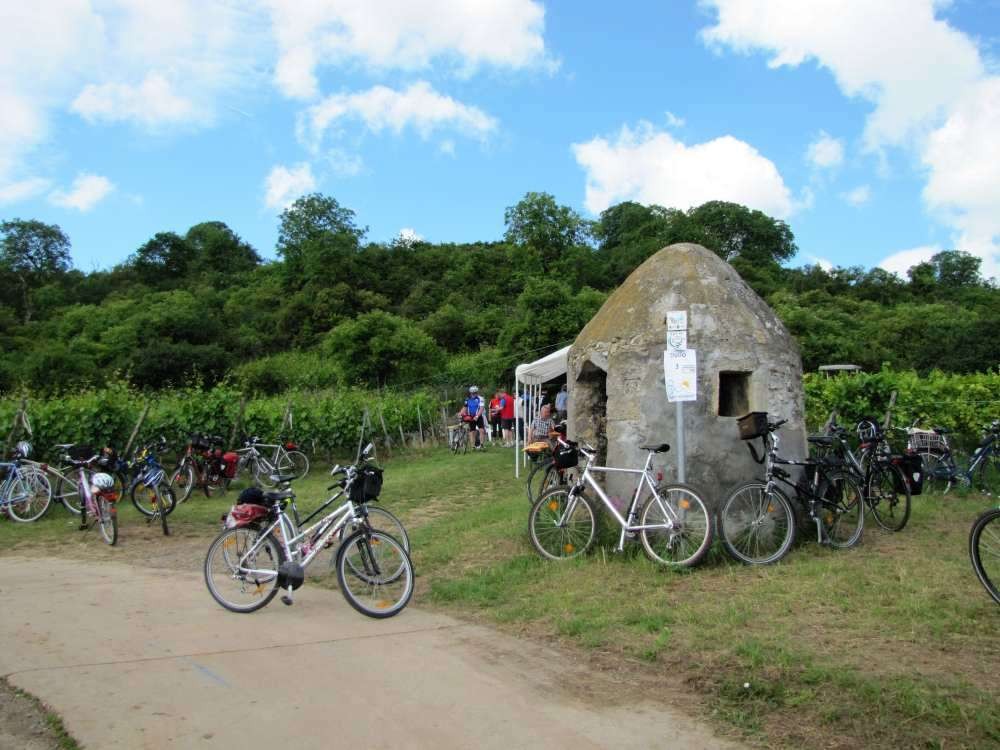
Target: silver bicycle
(672,523)
(263,549)
(265,460)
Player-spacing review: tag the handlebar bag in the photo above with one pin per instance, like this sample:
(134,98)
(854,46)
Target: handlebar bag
(367,485)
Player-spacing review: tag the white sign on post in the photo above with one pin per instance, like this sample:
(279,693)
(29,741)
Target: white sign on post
(677,339)
(680,370)
(677,320)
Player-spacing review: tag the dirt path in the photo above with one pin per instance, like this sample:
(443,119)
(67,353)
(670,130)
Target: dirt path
(142,658)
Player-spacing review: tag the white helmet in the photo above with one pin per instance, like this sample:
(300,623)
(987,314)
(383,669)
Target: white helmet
(23,449)
(473,389)
(103,481)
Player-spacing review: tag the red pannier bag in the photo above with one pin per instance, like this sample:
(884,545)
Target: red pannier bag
(245,514)
(229,462)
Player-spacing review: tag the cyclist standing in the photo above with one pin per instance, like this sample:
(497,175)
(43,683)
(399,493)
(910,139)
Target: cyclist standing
(474,407)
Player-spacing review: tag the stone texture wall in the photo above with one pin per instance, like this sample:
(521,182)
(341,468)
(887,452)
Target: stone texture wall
(732,329)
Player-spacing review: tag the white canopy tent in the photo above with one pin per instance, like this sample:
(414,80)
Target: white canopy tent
(528,381)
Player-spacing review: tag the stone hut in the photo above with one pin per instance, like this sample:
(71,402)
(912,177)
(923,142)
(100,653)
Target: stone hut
(747,361)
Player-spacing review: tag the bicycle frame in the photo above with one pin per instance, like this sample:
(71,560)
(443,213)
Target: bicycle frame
(984,452)
(625,522)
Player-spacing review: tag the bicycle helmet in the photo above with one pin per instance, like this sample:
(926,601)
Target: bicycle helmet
(473,389)
(103,481)
(23,449)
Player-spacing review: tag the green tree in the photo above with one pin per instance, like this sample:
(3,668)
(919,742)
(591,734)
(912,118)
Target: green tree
(33,252)
(317,239)
(732,230)
(164,260)
(538,222)
(218,249)
(379,348)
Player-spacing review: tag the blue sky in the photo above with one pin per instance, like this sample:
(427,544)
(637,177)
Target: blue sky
(872,127)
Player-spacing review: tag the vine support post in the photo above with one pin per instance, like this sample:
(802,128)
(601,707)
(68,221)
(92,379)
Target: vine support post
(238,424)
(888,411)
(365,422)
(135,430)
(420,426)
(20,422)
(388,440)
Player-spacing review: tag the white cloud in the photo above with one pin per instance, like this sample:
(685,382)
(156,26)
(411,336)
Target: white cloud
(343,163)
(823,263)
(927,81)
(674,121)
(401,34)
(284,185)
(382,108)
(152,103)
(858,196)
(87,191)
(825,152)
(901,262)
(894,53)
(651,166)
(408,236)
(21,190)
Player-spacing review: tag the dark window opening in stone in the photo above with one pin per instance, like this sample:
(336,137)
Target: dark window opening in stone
(734,394)
(590,397)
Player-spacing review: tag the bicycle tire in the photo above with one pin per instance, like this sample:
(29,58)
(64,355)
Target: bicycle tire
(228,548)
(392,526)
(144,498)
(939,473)
(294,462)
(536,483)
(744,521)
(985,553)
(986,479)
(34,491)
(262,472)
(68,493)
(574,536)
(183,480)
(107,519)
(372,592)
(683,505)
(845,524)
(161,490)
(889,507)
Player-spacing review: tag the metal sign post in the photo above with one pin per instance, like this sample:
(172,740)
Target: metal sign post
(680,369)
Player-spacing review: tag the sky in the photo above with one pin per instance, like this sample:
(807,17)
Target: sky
(871,126)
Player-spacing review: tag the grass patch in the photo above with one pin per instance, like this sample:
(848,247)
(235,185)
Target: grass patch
(891,644)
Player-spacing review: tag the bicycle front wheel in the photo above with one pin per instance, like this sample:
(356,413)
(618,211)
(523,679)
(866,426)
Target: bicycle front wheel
(984,551)
(147,502)
(888,497)
(939,473)
(107,519)
(757,526)
(689,535)
(241,569)
(374,573)
(182,482)
(30,495)
(843,514)
(986,476)
(542,477)
(562,524)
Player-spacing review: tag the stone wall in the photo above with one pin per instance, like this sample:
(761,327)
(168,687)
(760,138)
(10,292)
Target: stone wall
(734,332)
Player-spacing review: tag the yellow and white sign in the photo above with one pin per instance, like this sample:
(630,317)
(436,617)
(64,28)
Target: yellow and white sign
(680,371)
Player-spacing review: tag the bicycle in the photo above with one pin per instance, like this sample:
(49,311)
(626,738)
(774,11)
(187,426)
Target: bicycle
(202,465)
(263,550)
(148,488)
(283,461)
(887,488)
(458,438)
(984,465)
(673,524)
(25,492)
(984,550)
(98,496)
(544,473)
(931,445)
(756,522)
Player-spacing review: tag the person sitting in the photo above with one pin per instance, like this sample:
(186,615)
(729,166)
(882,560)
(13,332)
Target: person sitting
(543,425)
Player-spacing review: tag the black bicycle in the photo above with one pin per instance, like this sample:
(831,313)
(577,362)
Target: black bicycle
(984,550)
(982,473)
(756,521)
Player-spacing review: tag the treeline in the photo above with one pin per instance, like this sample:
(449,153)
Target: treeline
(334,310)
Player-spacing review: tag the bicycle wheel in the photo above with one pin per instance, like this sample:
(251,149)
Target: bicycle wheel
(381,520)
(144,498)
(843,515)
(374,573)
(984,550)
(539,479)
(757,527)
(262,472)
(939,472)
(67,492)
(687,542)
(890,506)
(182,482)
(30,495)
(562,525)
(241,569)
(107,519)
(986,477)
(293,462)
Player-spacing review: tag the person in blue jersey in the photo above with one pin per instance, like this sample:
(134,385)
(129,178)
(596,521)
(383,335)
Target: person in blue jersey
(475,407)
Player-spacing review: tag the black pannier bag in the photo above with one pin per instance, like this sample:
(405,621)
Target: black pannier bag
(565,457)
(251,496)
(752,425)
(912,466)
(367,485)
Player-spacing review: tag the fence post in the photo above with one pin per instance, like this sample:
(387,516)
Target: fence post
(239,421)
(388,440)
(135,430)
(888,411)
(420,426)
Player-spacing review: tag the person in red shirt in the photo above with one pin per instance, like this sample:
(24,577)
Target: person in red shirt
(495,420)
(507,417)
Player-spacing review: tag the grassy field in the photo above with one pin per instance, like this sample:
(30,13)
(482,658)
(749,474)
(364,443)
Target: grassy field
(891,644)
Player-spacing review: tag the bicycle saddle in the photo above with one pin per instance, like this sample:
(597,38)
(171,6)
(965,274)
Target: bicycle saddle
(661,448)
(282,478)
